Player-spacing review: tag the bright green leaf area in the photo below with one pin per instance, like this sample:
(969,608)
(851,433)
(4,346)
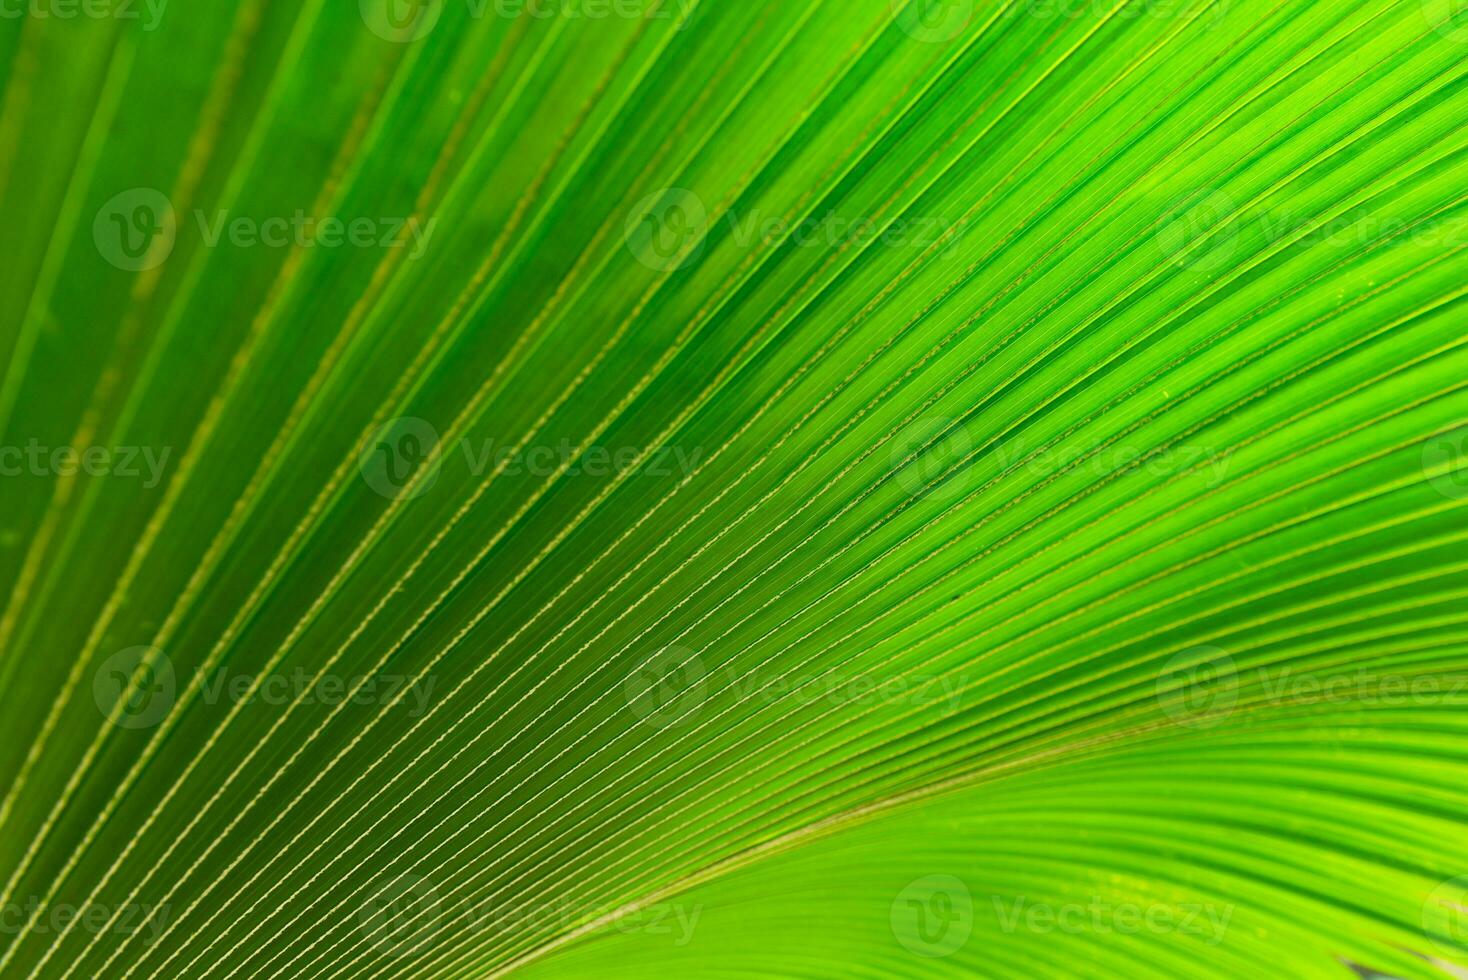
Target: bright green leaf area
(733,488)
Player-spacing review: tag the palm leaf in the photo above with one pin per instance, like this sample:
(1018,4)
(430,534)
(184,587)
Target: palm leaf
(940,487)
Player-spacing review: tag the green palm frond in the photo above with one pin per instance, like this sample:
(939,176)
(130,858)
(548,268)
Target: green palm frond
(595,488)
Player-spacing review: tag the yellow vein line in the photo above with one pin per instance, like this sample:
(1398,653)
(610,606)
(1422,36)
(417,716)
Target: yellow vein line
(425,196)
(80,181)
(382,521)
(558,634)
(200,151)
(987,552)
(335,183)
(662,543)
(849,723)
(967,669)
(18,89)
(561,536)
(699,318)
